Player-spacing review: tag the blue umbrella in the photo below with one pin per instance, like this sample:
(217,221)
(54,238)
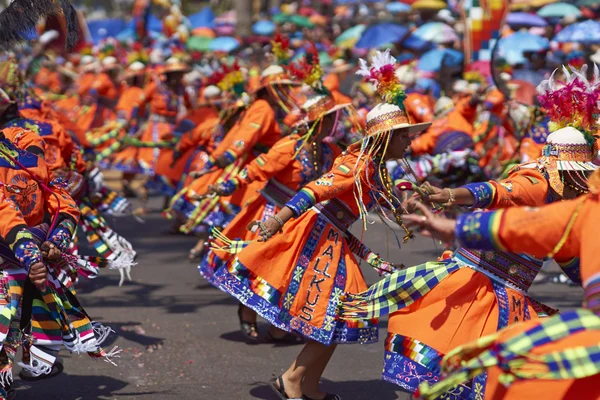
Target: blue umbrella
(224,43)
(264,28)
(559,10)
(414,42)
(512,47)
(377,35)
(397,7)
(154,24)
(104,28)
(432,60)
(204,18)
(586,32)
(525,19)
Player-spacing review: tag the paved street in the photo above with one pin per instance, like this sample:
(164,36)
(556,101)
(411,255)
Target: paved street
(180,336)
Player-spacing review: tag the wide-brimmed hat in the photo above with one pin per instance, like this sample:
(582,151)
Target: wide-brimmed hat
(134,69)
(174,64)
(386,117)
(275,75)
(319,106)
(110,63)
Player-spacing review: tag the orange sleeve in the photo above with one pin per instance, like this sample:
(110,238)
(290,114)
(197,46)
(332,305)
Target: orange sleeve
(332,82)
(534,231)
(337,181)
(523,187)
(257,121)
(199,136)
(267,165)
(26,140)
(464,108)
(425,143)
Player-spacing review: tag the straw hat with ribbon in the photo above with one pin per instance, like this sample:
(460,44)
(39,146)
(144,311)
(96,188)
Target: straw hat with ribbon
(321,104)
(573,106)
(390,115)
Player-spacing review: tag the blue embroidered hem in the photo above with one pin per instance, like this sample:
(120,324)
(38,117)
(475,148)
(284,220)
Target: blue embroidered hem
(240,286)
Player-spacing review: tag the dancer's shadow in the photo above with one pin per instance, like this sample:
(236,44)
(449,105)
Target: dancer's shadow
(70,387)
(131,331)
(355,390)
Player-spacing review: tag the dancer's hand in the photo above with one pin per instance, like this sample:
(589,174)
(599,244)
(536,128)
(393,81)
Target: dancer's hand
(38,274)
(49,251)
(431,225)
(266,229)
(216,190)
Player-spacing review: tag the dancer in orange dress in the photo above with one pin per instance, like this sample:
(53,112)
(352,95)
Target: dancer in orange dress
(255,131)
(130,115)
(291,163)
(166,101)
(295,273)
(438,306)
(556,358)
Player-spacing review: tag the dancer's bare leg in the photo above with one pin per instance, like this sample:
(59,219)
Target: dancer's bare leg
(308,358)
(310,384)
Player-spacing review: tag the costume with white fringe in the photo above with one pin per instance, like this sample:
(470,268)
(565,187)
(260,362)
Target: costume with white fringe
(477,292)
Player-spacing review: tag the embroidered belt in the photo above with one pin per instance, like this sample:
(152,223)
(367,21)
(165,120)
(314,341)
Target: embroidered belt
(515,270)
(337,212)
(277,193)
(157,118)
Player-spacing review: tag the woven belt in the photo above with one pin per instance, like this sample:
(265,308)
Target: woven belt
(337,212)
(518,271)
(277,193)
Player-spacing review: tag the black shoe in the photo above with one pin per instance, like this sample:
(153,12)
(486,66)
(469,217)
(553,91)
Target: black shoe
(248,329)
(278,388)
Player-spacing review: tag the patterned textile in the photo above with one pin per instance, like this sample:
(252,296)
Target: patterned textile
(396,291)
(514,355)
(483,20)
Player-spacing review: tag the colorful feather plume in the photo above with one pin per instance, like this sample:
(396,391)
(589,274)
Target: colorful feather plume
(308,70)
(574,101)
(232,78)
(281,48)
(22,16)
(382,74)
(138,54)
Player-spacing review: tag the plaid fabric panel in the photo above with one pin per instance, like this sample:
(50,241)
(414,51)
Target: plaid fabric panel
(396,291)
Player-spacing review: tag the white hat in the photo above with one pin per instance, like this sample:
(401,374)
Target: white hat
(87,60)
(443,106)
(446,15)
(572,150)
(274,75)
(460,86)
(340,65)
(212,91)
(110,63)
(49,36)
(389,117)
(318,106)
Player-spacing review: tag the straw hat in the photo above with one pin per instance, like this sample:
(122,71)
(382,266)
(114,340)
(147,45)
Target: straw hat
(390,115)
(134,69)
(319,106)
(596,57)
(407,75)
(274,75)
(174,64)
(110,63)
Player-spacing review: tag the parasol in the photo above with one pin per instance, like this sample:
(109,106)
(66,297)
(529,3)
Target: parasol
(264,28)
(198,43)
(525,19)
(527,4)
(437,32)
(203,18)
(429,5)
(432,60)
(586,32)
(397,7)
(204,32)
(559,10)
(512,47)
(350,36)
(225,44)
(376,35)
